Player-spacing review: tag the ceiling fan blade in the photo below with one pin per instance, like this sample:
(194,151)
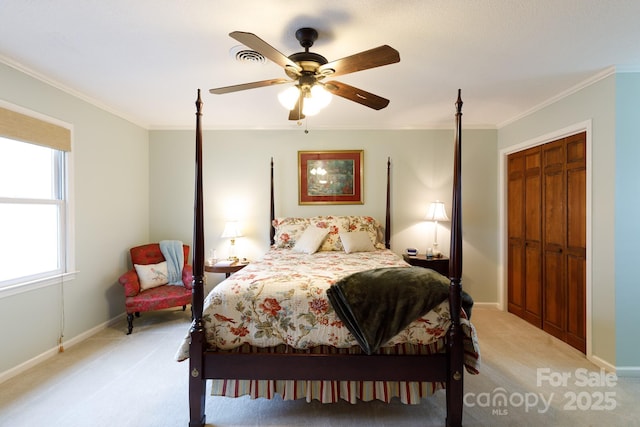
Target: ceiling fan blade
(376,57)
(256,43)
(245,86)
(296,111)
(356,95)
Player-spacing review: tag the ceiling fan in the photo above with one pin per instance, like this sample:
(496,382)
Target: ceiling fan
(308,71)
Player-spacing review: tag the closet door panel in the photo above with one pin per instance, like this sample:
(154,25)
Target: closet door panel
(576,313)
(576,248)
(554,317)
(533,284)
(533,237)
(515,278)
(515,230)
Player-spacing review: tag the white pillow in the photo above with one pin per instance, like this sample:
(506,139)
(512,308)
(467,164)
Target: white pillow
(311,239)
(152,275)
(357,241)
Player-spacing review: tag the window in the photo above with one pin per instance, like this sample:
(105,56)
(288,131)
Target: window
(34,219)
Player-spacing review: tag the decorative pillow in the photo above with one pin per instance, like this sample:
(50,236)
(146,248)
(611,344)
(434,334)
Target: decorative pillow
(371,226)
(152,275)
(311,239)
(334,226)
(357,241)
(288,230)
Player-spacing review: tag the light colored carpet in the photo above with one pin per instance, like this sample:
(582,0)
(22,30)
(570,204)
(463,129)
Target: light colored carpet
(114,380)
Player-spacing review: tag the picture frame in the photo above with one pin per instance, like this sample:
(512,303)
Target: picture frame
(330,177)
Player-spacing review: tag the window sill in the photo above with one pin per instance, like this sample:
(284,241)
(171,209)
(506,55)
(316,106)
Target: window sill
(18,288)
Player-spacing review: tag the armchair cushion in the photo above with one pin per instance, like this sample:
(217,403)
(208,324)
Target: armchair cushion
(158,298)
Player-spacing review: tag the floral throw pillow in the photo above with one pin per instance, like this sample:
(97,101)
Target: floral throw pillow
(370,225)
(288,231)
(334,226)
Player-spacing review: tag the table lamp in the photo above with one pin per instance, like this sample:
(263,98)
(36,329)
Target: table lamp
(232,231)
(436,213)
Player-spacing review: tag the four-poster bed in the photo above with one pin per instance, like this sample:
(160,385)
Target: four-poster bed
(441,352)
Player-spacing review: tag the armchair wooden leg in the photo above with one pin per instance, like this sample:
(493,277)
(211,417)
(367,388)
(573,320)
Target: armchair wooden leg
(130,321)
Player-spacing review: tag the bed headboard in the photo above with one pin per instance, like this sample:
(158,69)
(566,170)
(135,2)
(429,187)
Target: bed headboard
(387,220)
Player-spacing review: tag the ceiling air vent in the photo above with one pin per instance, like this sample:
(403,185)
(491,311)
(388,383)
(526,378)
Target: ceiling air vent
(242,54)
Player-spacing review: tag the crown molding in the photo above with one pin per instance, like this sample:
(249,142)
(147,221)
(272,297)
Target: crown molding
(64,88)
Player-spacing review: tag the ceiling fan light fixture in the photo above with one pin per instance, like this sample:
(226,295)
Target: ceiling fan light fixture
(321,96)
(289,97)
(315,100)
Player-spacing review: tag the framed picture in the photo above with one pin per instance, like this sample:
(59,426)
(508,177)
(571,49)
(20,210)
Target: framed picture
(330,177)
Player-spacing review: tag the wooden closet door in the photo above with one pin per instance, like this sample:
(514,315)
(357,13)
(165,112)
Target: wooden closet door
(554,206)
(524,236)
(547,237)
(565,243)
(533,237)
(576,249)
(515,233)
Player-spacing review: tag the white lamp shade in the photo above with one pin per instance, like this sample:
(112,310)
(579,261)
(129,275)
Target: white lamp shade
(289,97)
(318,99)
(232,230)
(437,212)
(314,101)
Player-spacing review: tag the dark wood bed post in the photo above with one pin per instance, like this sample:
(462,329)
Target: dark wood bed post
(387,219)
(197,381)
(455,374)
(272,230)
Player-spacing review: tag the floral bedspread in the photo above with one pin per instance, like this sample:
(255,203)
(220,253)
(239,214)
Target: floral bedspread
(281,298)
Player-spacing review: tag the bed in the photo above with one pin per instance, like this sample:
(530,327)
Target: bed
(275,328)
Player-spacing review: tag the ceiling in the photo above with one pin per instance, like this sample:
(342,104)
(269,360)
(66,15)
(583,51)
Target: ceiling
(145,59)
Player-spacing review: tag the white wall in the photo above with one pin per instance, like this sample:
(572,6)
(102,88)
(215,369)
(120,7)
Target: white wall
(236,186)
(111,178)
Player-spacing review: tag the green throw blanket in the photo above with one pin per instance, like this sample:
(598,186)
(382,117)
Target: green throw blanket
(375,305)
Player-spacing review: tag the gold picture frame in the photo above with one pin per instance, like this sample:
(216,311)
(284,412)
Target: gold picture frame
(330,177)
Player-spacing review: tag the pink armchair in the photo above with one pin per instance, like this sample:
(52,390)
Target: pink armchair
(155,298)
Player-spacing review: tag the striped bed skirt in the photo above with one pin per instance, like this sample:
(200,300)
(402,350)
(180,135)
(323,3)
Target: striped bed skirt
(409,392)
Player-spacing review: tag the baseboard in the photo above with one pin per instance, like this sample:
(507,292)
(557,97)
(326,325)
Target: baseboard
(489,305)
(601,363)
(17,370)
(628,371)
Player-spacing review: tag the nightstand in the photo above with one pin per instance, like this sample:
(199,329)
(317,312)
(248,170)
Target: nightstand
(226,269)
(441,265)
